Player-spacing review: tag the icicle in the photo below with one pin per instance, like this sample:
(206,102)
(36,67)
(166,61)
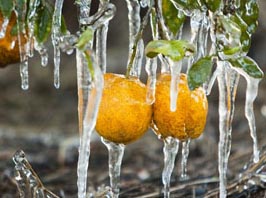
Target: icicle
(4,27)
(56,34)
(21,11)
(175,68)
(33,4)
(101,40)
(170,151)
(28,182)
(251,94)
(89,120)
(134,26)
(151,67)
(227,82)
(185,153)
(116,153)
(43,53)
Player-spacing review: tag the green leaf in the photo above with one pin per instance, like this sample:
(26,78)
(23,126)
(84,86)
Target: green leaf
(175,49)
(63,26)
(248,65)
(199,72)
(85,38)
(213,5)
(43,23)
(173,17)
(6,7)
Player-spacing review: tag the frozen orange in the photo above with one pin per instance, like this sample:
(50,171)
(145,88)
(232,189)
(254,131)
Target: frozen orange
(9,48)
(124,116)
(189,119)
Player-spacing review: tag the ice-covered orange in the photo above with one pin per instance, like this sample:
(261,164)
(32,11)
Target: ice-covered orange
(124,116)
(189,119)
(9,48)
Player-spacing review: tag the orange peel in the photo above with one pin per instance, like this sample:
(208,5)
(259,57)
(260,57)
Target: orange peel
(189,119)
(124,115)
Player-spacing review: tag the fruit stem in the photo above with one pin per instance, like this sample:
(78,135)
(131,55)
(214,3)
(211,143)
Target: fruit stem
(137,39)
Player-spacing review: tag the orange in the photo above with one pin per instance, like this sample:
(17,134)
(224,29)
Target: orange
(189,119)
(9,54)
(124,116)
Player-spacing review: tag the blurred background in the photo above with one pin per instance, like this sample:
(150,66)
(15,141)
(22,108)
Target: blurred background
(44,118)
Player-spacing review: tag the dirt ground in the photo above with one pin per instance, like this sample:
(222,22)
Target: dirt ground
(43,122)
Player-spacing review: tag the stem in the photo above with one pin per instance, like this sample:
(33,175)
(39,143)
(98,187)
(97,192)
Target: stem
(137,39)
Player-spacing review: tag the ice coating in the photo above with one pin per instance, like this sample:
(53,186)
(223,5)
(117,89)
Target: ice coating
(88,122)
(28,183)
(115,153)
(151,67)
(56,34)
(227,82)
(33,4)
(185,153)
(175,68)
(134,26)
(170,151)
(4,27)
(101,38)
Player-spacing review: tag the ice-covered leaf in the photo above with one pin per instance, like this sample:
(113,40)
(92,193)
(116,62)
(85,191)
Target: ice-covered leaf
(249,12)
(43,24)
(199,72)
(85,38)
(212,5)
(175,49)
(248,65)
(173,17)
(6,7)
(228,35)
(187,4)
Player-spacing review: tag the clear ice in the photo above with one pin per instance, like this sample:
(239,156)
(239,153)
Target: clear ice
(116,153)
(185,153)
(227,82)
(170,151)
(88,122)
(56,34)
(28,182)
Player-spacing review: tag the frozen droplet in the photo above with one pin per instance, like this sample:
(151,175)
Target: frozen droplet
(43,53)
(170,151)
(116,153)
(4,27)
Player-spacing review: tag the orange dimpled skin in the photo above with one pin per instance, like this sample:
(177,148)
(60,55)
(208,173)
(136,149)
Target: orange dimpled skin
(189,119)
(124,116)
(9,48)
